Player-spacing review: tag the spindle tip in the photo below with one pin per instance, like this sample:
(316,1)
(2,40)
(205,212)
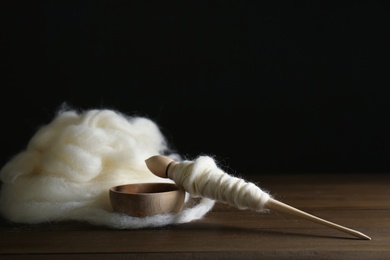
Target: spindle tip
(362,236)
(158,164)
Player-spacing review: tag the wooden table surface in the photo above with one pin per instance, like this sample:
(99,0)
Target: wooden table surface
(358,201)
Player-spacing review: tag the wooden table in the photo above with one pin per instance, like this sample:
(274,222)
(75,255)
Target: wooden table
(360,202)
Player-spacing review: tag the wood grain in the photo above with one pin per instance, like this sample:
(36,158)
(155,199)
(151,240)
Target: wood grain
(360,201)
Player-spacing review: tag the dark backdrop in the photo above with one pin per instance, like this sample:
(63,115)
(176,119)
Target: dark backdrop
(265,86)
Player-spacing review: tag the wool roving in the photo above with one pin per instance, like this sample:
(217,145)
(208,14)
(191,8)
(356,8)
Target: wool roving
(70,164)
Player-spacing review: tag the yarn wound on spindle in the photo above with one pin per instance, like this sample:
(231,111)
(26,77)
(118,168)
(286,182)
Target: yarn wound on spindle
(70,164)
(203,178)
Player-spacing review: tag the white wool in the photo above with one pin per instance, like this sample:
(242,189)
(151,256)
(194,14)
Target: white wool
(203,178)
(70,164)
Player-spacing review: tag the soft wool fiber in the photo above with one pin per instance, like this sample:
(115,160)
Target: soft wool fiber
(203,178)
(70,164)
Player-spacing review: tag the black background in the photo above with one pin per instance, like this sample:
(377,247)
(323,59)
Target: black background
(264,86)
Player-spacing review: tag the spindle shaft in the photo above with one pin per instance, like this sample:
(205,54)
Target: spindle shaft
(281,207)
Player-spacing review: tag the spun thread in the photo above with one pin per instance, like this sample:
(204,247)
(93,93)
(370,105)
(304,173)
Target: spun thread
(203,178)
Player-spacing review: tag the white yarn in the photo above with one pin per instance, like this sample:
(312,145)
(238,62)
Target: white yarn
(70,164)
(203,178)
